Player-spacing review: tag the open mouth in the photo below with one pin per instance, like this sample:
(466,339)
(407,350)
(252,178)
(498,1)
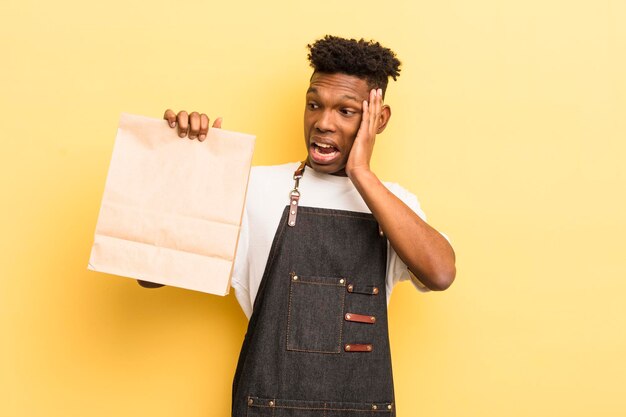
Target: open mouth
(323,153)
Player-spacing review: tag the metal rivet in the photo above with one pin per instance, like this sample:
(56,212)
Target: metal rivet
(293,212)
(350,287)
(375,290)
(374,407)
(294,202)
(373,319)
(348,316)
(369,348)
(295,277)
(341,281)
(348,347)
(250,401)
(271,403)
(388,406)
(292,223)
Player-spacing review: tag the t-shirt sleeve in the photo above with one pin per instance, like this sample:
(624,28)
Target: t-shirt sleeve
(397,270)
(241,269)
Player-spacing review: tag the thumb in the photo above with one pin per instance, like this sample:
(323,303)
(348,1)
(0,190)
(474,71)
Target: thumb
(218,123)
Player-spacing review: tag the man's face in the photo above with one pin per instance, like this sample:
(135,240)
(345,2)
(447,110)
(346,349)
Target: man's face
(332,117)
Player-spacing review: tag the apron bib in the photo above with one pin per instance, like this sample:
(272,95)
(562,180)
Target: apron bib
(317,343)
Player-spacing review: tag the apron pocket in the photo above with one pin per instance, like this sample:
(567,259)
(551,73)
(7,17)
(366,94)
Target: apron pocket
(315,315)
(265,407)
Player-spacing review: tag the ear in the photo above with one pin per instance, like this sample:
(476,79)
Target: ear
(385,115)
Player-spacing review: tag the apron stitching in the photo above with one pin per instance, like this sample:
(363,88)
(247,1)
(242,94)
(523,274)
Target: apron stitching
(320,283)
(315,351)
(289,313)
(343,215)
(343,305)
(286,407)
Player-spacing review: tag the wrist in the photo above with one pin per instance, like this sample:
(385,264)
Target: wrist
(362,176)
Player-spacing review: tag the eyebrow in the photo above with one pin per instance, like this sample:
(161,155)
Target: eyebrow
(350,97)
(345,96)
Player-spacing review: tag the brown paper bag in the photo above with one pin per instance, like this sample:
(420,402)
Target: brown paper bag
(172,207)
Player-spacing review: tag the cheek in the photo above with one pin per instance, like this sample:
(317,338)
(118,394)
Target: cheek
(350,130)
(308,120)
(349,147)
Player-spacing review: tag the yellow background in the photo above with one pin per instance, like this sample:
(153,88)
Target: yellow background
(508,123)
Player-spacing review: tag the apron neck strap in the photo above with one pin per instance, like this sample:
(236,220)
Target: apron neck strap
(294,196)
(298,173)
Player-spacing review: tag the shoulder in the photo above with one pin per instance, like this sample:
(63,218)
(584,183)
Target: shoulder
(406,197)
(398,190)
(273,171)
(269,185)
(263,175)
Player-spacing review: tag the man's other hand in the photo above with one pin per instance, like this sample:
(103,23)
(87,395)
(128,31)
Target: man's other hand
(194,125)
(148,284)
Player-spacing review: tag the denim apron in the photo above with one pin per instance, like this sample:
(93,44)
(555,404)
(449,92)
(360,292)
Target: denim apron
(317,343)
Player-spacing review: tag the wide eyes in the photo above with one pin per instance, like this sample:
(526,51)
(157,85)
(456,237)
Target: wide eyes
(311,105)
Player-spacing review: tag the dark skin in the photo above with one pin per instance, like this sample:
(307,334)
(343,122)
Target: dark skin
(342,117)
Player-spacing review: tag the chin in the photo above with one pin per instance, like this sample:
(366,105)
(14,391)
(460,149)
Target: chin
(332,169)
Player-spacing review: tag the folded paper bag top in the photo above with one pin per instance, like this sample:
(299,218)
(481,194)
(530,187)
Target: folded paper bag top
(172,207)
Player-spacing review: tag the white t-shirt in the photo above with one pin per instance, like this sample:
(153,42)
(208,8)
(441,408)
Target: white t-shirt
(268,194)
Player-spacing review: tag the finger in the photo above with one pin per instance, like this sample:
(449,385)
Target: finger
(204,127)
(372,109)
(194,125)
(183,123)
(365,117)
(148,284)
(218,123)
(379,107)
(170,116)
(366,112)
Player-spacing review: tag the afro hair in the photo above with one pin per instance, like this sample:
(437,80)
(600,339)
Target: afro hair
(364,59)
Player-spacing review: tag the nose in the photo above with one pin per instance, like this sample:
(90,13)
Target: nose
(325,122)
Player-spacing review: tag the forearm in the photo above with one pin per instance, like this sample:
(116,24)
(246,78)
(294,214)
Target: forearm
(423,249)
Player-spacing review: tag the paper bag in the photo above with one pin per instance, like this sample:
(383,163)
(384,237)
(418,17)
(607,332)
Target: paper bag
(172,207)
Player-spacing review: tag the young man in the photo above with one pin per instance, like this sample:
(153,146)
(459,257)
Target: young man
(315,267)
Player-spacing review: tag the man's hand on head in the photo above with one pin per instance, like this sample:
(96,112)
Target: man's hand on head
(373,121)
(193,125)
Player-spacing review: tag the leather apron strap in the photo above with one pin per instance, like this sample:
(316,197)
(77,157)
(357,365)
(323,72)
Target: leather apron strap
(294,195)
